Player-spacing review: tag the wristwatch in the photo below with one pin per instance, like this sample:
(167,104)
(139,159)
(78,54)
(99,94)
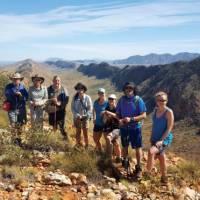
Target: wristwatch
(132,119)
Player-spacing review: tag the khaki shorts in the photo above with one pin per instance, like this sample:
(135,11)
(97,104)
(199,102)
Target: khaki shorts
(81,123)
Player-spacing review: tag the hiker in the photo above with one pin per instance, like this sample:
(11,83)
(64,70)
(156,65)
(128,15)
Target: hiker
(37,98)
(81,107)
(161,136)
(16,95)
(99,106)
(131,110)
(111,129)
(58,100)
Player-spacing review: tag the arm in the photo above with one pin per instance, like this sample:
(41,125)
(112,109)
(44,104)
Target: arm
(89,107)
(24,94)
(75,114)
(94,115)
(170,123)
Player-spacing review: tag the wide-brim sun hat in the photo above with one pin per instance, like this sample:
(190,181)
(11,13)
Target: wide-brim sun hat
(37,77)
(16,76)
(101,90)
(80,86)
(112,96)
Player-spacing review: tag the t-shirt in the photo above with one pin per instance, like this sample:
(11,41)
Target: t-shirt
(99,108)
(130,107)
(112,123)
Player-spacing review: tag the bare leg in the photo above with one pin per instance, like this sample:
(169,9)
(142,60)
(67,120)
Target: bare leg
(151,157)
(109,145)
(78,136)
(85,134)
(163,165)
(138,152)
(97,137)
(117,148)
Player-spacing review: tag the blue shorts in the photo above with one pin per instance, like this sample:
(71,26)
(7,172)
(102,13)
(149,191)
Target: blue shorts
(131,135)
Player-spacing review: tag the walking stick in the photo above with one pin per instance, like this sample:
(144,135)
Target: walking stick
(55,124)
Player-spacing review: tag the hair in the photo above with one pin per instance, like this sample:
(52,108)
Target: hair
(55,77)
(161,93)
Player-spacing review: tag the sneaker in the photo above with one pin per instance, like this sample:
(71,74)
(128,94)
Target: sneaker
(138,171)
(164,180)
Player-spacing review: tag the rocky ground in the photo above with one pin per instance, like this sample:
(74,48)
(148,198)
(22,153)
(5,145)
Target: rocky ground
(58,185)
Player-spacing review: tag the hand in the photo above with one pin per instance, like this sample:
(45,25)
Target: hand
(54,100)
(159,143)
(127,120)
(33,103)
(18,93)
(121,122)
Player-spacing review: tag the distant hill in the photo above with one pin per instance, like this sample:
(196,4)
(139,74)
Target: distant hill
(101,71)
(181,80)
(155,59)
(61,64)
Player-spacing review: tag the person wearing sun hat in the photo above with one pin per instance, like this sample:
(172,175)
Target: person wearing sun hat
(37,98)
(81,107)
(98,107)
(131,110)
(17,95)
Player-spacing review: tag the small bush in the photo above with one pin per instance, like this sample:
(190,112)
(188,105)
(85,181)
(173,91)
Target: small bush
(44,141)
(14,155)
(17,175)
(77,161)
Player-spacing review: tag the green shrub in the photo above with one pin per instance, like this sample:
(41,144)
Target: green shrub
(77,161)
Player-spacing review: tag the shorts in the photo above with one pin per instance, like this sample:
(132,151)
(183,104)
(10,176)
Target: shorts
(114,134)
(84,123)
(98,128)
(161,149)
(131,135)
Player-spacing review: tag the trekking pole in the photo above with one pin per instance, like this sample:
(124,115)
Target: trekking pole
(55,118)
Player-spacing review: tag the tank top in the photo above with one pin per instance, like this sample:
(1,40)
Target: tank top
(159,127)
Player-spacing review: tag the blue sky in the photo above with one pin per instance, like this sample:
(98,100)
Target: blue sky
(91,29)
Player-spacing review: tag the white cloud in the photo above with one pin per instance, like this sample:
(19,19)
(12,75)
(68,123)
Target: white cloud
(97,19)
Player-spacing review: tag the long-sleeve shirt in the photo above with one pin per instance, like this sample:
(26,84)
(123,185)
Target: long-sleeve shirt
(38,95)
(17,102)
(82,107)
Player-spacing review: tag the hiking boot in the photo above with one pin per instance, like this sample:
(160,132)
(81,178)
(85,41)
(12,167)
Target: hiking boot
(18,142)
(138,171)
(125,163)
(164,180)
(118,159)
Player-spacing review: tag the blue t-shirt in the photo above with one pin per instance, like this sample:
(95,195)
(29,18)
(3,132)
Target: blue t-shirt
(130,107)
(99,108)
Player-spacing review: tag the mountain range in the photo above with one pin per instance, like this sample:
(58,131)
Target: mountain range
(181,80)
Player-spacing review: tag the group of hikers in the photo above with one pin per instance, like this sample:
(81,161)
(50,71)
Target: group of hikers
(120,122)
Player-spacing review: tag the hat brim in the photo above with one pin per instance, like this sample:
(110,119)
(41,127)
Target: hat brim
(41,78)
(78,86)
(13,78)
(130,86)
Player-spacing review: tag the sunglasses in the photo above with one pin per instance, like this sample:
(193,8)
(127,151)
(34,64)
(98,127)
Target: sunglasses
(111,99)
(128,88)
(161,100)
(101,93)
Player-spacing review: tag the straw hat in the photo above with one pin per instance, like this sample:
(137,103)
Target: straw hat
(16,76)
(37,77)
